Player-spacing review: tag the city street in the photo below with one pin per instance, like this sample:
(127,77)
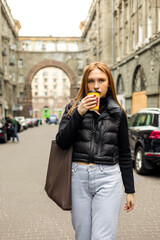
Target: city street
(27,213)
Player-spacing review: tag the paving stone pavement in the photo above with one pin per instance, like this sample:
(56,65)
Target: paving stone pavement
(27,213)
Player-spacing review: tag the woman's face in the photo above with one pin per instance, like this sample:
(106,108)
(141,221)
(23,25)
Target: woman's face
(98,81)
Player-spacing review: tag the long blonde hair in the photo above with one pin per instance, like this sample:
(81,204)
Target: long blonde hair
(84,89)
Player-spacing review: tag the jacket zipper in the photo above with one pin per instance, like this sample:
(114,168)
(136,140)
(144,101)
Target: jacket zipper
(92,142)
(100,137)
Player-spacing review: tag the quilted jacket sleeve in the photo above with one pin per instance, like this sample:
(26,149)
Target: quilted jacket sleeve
(68,128)
(125,160)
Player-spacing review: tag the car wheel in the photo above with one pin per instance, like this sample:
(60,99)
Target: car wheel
(139,161)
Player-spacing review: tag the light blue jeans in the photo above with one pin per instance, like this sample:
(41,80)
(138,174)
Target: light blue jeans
(96,200)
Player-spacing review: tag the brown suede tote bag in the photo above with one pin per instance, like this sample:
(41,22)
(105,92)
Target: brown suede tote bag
(58,180)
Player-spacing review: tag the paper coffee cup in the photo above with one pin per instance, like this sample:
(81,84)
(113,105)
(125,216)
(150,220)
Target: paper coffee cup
(97,93)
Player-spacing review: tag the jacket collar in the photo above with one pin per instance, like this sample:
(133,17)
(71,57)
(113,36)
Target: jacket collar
(111,104)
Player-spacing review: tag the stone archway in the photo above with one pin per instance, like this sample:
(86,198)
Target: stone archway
(120,90)
(46,63)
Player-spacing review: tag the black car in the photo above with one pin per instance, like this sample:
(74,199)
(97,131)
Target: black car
(3,131)
(144,137)
(53,119)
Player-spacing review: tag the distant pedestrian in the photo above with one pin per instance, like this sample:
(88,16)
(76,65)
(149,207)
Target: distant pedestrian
(101,156)
(14,126)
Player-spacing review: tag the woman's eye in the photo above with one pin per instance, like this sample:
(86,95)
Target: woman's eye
(91,81)
(101,80)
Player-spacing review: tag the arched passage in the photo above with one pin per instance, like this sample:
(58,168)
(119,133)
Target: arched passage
(139,98)
(47,63)
(120,91)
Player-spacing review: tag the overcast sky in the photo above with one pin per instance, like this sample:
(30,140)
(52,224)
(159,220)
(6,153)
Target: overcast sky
(49,17)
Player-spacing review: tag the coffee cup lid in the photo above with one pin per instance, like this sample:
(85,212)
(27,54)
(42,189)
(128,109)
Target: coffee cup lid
(93,91)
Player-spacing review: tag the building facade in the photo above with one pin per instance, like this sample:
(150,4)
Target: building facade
(127,36)
(136,67)
(50,90)
(124,34)
(37,53)
(97,33)
(8,68)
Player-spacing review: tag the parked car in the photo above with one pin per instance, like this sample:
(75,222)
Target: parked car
(53,119)
(36,122)
(144,137)
(30,122)
(3,131)
(22,122)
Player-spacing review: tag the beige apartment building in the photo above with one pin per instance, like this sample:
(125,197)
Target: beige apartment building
(8,68)
(50,90)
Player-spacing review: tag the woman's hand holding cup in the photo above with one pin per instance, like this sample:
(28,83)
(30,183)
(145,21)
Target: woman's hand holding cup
(90,102)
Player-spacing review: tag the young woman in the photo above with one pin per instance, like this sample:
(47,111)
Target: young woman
(101,156)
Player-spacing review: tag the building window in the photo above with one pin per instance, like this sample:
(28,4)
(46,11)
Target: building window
(45,94)
(20,78)
(27,45)
(45,73)
(50,46)
(20,63)
(55,95)
(36,86)
(61,46)
(139,80)
(13,77)
(54,73)
(54,80)
(80,64)
(45,86)
(120,86)
(43,47)
(38,45)
(36,94)
(149,27)
(12,60)
(21,96)
(72,46)
(35,80)
(5,68)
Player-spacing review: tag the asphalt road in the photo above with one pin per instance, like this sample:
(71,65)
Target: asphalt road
(27,213)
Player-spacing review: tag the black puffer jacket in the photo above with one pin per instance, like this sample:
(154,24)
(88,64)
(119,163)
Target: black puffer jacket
(97,139)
